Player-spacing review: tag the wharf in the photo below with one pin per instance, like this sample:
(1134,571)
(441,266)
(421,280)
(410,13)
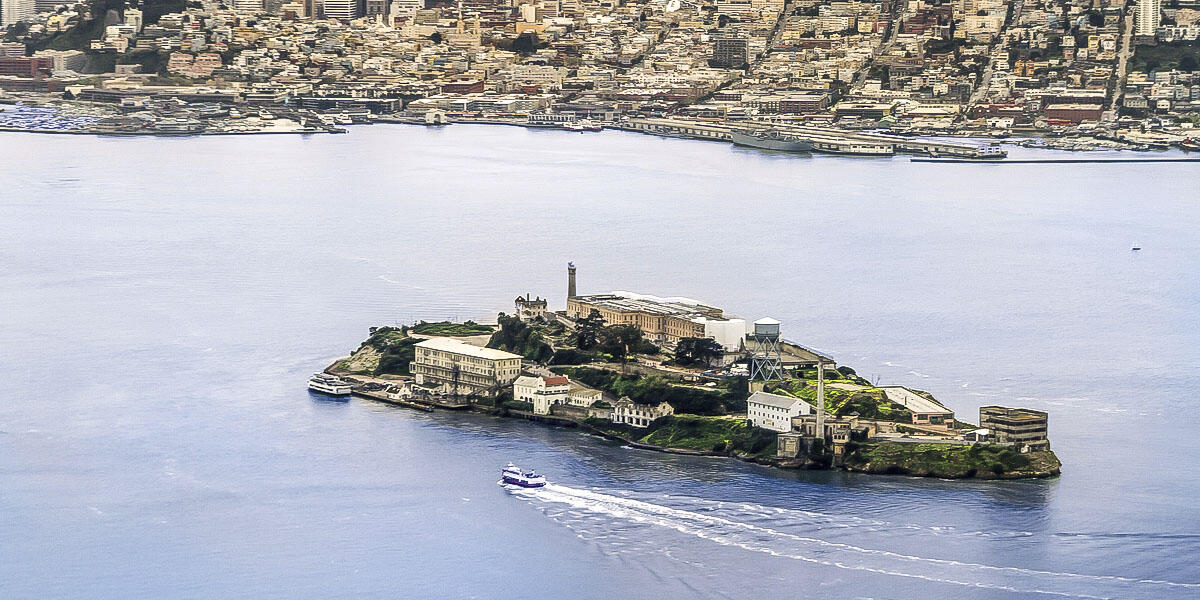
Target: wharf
(1034,161)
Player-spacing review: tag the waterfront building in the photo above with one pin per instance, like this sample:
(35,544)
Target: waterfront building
(631,413)
(584,397)
(924,411)
(774,412)
(529,308)
(542,392)
(458,368)
(1027,429)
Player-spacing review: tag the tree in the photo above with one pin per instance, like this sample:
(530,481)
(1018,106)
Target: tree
(694,351)
(620,340)
(436,37)
(587,330)
(516,336)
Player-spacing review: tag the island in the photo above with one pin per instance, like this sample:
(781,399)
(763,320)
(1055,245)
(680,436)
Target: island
(677,375)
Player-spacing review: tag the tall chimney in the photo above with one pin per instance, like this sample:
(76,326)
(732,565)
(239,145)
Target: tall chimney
(820,399)
(570,280)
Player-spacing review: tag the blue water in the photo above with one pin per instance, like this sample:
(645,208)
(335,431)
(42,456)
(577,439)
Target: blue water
(163,301)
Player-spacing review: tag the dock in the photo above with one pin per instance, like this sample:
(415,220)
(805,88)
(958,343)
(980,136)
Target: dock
(1034,161)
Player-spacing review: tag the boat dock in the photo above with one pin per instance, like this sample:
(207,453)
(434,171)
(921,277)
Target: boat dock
(824,139)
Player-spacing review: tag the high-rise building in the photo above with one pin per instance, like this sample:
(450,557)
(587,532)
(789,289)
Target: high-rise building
(343,10)
(730,51)
(1149,16)
(248,5)
(12,11)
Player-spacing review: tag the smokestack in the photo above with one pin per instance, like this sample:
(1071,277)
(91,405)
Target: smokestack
(570,280)
(820,399)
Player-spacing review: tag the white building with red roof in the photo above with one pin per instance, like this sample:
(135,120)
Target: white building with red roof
(543,392)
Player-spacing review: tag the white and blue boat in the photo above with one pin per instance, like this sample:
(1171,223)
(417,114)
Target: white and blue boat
(512,474)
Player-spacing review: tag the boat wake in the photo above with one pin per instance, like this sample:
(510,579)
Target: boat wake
(747,530)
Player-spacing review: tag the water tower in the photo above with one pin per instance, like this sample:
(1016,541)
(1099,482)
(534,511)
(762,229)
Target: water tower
(766,362)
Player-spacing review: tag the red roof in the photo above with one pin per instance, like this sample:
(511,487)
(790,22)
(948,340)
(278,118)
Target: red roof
(559,380)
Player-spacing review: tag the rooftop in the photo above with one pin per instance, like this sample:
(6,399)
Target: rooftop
(773,400)
(460,347)
(912,401)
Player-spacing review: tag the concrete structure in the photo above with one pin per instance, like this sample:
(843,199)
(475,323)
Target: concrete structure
(1027,429)
(639,415)
(529,308)
(458,368)
(542,392)
(730,51)
(1149,16)
(662,320)
(571,291)
(12,11)
(343,10)
(774,412)
(584,397)
(924,411)
(730,333)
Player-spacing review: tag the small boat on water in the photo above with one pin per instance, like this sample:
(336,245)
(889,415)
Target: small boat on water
(512,474)
(328,384)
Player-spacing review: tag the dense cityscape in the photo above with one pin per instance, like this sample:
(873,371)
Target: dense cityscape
(837,75)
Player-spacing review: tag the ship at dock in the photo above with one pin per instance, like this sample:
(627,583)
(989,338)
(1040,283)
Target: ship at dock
(770,140)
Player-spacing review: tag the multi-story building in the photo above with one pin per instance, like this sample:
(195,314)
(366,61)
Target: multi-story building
(774,412)
(1027,429)
(458,368)
(663,320)
(343,10)
(730,51)
(12,11)
(1149,16)
(542,392)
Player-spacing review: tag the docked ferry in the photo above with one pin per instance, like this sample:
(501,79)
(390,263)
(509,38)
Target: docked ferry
(514,475)
(328,384)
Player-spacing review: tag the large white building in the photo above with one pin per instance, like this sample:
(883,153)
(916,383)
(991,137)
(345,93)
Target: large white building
(344,10)
(1149,15)
(458,368)
(774,412)
(12,11)
(542,392)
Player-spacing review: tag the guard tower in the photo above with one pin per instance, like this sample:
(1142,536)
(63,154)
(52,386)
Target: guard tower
(766,362)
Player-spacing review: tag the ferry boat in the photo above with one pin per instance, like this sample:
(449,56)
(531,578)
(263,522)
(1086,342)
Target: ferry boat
(513,474)
(328,384)
(770,140)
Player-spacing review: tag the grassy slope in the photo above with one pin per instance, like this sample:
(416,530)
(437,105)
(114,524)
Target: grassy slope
(700,433)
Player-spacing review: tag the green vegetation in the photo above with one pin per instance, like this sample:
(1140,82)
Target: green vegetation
(587,330)
(700,433)
(652,390)
(692,351)
(569,356)
(395,350)
(518,337)
(936,460)
(623,340)
(869,402)
(451,329)
(1184,56)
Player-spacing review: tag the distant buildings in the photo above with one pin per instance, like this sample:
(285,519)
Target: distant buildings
(458,368)
(1026,429)
(12,11)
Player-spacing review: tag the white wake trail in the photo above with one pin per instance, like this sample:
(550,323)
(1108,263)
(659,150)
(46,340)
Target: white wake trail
(752,537)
